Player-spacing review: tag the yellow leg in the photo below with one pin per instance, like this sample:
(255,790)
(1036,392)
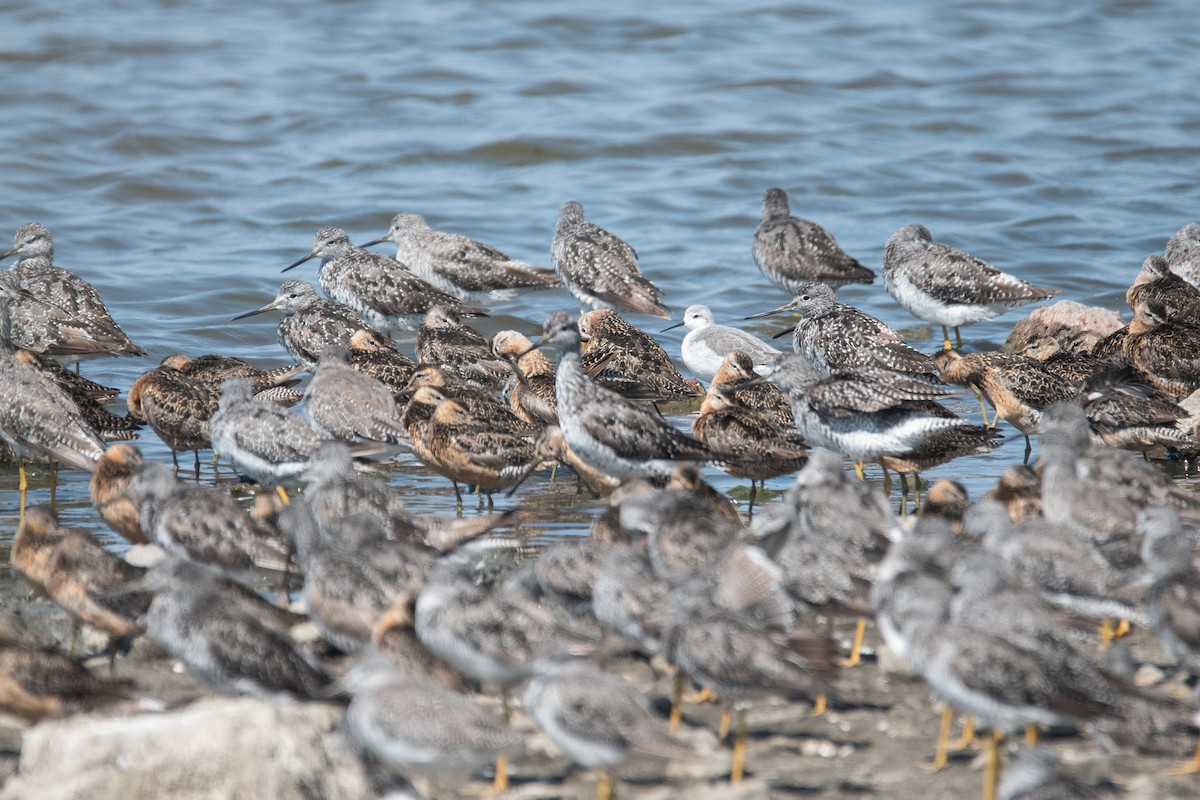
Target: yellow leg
(1031,735)
(23,486)
(283,495)
(991,773)
(820,705)
(1106,633)
(858,470)
(1123,629)
(856,649)
(968,734)
(739,750)
(604,785)
(726,718)
(983,406)
(676,703)
(705,695)
(500,783)
(941,753)
(887,481)
(957,338)
(916,484)
(946,338)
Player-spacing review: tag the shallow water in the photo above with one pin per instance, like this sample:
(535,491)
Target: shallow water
(184,153)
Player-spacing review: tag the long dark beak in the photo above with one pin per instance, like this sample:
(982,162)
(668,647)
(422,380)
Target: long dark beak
(779,310)
(380,240)
(784,332)
(672,327)
(313,254)
(538,343)
(261,310)
(7,253)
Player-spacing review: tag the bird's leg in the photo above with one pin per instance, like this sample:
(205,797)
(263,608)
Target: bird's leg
(753,494)
(726,718)
(820,705)
(283,495)
(739,749)
(916,481)
(946,338)
(1028,449)
(676,703)
(887,480)
(23,486)
(604,785)
(196,465)
(968,734)
(1031,735)
(957,338)
(858,470)
(856,649)
(53,481)
(941,753)
(991,774)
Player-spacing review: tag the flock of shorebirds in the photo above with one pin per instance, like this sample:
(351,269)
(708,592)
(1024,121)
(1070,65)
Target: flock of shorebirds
(995,604)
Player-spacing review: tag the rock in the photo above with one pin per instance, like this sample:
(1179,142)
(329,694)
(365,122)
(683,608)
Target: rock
(218,747)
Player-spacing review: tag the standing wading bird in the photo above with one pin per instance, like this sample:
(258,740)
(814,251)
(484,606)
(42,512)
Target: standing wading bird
(948,287)
(36,272)
(600,269)
(37,418)
(381,289)
(706,343)
(792,251)
(467,269)
(616,436)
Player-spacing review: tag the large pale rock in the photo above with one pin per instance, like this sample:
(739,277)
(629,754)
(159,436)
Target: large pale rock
(215,748)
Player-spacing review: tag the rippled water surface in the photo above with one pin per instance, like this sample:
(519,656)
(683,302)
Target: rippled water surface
(183,153)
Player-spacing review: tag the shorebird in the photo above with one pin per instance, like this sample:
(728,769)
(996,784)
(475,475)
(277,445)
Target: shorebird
(36,272)
(706,343)
(736,378)
(1165,350)
(73,569)
(747,443)
(107,490)
(598,719)
(835,336)
(1017,387)
(480,403)
(1172,599)
(629,361)
(1183,253)
(466,449)
(269,444)
(413,724)
(345,404)
(864,414)
(311,323)
(176,407)
(37,682)
(1034,774)
(1130,414)
(225,638)
(531,391)
(792,251)
(383,292)
(1097,491)
(375,355)
(37,419)
(613,434)
(444,341)
(600,269)
(202,524)
(948,287)
(1156,282)
(89,398)
(467,269)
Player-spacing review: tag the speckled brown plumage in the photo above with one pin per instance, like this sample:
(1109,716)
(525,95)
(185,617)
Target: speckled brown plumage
(444,341)
(107,489)
(620,357)
(74,570)
(531,391)
(374,355)
(176,407)
(732,378)
(747,443)
(87,396)
(480,403)
(791,251)
(1166,351)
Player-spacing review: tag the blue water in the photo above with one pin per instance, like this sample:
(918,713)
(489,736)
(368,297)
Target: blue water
(183,153)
